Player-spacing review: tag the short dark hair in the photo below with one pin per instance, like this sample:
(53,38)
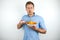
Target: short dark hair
(29,2)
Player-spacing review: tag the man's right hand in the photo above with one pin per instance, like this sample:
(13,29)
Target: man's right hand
(22,22)
(19,25)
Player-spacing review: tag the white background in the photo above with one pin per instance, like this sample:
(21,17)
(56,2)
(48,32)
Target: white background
(11,12)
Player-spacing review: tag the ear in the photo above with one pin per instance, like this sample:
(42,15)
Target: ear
(26,8)
(33,8)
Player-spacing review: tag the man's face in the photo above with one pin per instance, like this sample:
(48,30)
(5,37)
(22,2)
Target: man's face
(29,8)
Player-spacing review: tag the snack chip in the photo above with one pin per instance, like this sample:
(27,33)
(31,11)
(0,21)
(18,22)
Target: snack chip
(31,22)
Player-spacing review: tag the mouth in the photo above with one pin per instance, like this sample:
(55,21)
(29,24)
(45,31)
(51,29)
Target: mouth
(29,11)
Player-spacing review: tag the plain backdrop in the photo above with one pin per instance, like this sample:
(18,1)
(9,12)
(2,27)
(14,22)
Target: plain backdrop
(11,12)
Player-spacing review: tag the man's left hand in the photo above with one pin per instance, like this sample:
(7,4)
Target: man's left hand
(33,27)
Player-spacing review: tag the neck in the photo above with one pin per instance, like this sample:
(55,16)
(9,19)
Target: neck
(31,15)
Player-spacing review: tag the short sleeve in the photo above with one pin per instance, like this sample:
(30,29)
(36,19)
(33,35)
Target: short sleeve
(23,17)
(42,23)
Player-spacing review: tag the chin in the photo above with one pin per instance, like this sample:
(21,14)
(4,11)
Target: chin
(29,13)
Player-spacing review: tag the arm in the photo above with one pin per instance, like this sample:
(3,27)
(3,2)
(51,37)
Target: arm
(19,25)
(42,27)
(40,30)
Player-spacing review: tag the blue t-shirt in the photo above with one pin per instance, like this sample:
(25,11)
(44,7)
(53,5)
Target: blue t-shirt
(30,34)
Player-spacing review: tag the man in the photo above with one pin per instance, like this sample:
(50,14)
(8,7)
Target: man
(31,33)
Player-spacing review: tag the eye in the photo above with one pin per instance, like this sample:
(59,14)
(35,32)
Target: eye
(28,8)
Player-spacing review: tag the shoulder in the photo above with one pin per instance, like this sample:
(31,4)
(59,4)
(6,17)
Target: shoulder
(39,16)
(24,16)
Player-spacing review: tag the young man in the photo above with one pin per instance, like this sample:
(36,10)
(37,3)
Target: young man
(31,33)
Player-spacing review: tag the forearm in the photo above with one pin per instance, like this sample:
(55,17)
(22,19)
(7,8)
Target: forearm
(19,25)
(40,30)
